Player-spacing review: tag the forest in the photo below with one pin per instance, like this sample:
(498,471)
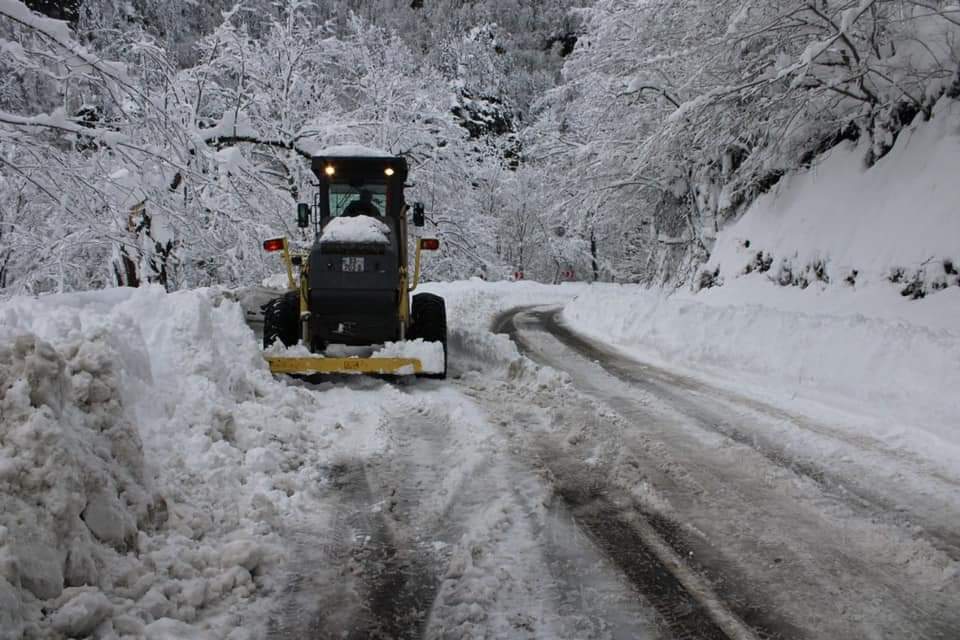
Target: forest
(153,141)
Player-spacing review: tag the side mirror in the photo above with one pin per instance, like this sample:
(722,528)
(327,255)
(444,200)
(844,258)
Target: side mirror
(419,217)
(303,215)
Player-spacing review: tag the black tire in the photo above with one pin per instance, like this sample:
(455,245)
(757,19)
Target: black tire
(429,322)
(280,319)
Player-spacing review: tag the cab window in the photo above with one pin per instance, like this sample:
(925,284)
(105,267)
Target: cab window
(368,200)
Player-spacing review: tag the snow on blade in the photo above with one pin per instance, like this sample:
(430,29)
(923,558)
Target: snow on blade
(298,350)
(356,229)
(430,354)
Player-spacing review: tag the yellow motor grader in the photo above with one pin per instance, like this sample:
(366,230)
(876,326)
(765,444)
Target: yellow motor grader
(354,285)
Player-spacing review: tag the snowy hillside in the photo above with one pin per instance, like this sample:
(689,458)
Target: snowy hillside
(838,287)
(841,223)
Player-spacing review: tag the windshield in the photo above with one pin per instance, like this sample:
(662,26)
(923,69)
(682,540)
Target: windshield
(366,200)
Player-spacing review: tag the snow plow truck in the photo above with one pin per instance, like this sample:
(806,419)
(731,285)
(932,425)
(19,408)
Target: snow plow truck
(350,309)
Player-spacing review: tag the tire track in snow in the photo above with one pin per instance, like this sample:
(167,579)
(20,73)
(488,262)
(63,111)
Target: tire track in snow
(353,580)
(687,607)
(486,506)
(686,396)
(885,601)
(686,604)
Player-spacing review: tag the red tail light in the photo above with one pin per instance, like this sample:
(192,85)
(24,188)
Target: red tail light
(273,244)
(429,244)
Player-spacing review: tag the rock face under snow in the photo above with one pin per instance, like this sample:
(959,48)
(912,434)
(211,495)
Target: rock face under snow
(846,225)
(355,230)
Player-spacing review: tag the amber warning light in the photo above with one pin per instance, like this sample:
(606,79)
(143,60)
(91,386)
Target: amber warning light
(429,244)
(274,244)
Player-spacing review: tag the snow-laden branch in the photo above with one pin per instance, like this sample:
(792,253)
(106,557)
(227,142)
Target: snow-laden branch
(58,33)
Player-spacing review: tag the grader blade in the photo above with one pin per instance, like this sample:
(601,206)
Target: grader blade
(308,365)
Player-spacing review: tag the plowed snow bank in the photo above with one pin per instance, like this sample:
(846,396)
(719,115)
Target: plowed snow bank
(150,465)
(903,372)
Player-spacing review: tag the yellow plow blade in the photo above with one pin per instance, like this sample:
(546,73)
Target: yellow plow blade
(317,364)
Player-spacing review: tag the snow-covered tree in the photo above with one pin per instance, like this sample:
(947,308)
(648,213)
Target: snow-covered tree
(675,114)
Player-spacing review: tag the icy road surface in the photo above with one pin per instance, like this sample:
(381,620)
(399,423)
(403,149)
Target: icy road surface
(798,548)
(590,496)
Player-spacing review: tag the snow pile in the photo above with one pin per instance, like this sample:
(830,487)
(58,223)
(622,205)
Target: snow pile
(355,229)
(150,465)
(473,305)
(870,351)
(842,224)
(430,354)
(72,489)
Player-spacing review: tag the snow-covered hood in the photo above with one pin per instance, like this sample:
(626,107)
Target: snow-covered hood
(355,230)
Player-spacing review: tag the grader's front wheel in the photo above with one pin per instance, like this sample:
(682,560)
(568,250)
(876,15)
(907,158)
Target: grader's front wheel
(429,316)
(280,317)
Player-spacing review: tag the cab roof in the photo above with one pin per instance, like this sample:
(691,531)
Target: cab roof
(348,168)
(352,151)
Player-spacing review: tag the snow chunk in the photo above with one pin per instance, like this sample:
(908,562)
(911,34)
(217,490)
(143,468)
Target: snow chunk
(356,229)
(82,613)
(298,350)
(352,151)
(170,629)
(278,281)
(11,614)
(242,553)
(108,520)
(430,354)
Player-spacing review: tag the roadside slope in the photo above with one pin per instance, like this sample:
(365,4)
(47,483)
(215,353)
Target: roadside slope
(840,288)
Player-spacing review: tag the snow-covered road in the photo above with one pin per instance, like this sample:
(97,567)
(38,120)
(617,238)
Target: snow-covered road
(795,542)
(589,495)
(598,497)
(550,488)
(447,532)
